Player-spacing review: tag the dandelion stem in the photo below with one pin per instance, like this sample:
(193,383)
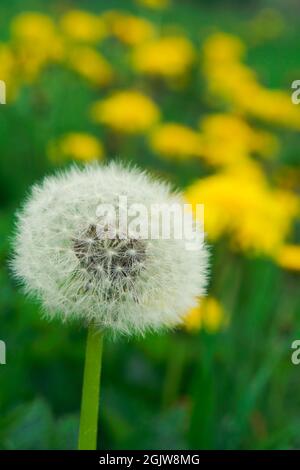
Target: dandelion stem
(91,391)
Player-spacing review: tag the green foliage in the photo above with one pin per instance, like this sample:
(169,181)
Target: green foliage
(235,389)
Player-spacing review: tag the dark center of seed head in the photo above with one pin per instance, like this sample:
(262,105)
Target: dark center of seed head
(116,258)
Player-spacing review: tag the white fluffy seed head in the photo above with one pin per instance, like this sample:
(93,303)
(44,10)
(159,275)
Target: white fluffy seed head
(125,285)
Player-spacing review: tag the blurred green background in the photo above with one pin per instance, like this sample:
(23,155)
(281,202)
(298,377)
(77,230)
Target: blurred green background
(198,92)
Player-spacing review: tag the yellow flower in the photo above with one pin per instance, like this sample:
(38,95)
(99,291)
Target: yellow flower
(36,43)
(83,26)
(175,141)
(221,47)
(155,4)
(91,65)
(209,314)
(273,106)
(229,140)
(32,27)
(289,257)
(126,111)
(239,202)
(129,29)
(76,145)
(166,57)
(7,63)
(8,71)
(237,84)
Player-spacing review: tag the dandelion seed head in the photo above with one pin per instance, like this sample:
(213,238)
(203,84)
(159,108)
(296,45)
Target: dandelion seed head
(65,256)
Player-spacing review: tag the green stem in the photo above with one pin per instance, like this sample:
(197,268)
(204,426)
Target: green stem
(91,391)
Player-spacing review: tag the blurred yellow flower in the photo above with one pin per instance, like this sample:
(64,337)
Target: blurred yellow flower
(129,29)
(289,257)
(271,105)
(155,4)
(7,63)
(76,145)
(231,80)
(208,314)
(228,140)
(8,72)
(223,48)
(239,202)
(36,43)
(126,111)
(83,26)
(225,140)
(166,57)
(174,140)
(91,65)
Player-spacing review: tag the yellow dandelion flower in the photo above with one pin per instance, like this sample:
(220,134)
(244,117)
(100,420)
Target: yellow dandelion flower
(239,202)
(83,26)
(193,319)
(155,4)
(129,29)
(7,63)
(36,43)
(273,106)
(8,71)
(222,47)
(229,81)
(208,314)
(76,145)
(166,57)
(228,139)
(91,65)
(126,111)
(237,84)
(173,140)
(289,257)
(31,27)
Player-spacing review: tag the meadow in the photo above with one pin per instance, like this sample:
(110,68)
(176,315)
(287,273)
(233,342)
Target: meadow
(199,94)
